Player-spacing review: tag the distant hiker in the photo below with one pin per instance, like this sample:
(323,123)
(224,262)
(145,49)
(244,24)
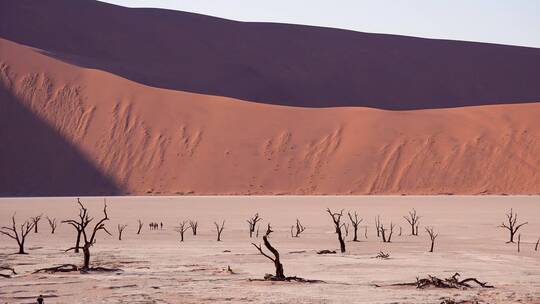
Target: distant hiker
(161,225)
(40,299)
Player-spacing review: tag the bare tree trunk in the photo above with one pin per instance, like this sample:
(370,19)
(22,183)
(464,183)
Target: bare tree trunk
(365,232)
(78,242)
(86,252)
(21,248)
(140,225)
(519,242)
(120,230)
(378,225)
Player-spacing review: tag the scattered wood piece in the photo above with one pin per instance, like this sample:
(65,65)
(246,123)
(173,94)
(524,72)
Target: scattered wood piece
(229,270)
(298,251)
(382,255)
(326,251)
(299,229)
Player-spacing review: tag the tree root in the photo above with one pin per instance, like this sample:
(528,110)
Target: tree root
(72,268)
(60,268)
(11,272)
(271,277)
(451,282)
(100,269)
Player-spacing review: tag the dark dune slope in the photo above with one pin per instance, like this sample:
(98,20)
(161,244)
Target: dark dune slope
(273,63)
(35,160)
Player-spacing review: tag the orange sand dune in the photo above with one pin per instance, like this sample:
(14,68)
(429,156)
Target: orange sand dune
(65,126)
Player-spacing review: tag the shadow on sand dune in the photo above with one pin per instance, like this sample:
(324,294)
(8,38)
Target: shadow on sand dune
(37,161)
(274,63)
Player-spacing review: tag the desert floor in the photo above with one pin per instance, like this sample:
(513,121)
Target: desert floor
(158,268)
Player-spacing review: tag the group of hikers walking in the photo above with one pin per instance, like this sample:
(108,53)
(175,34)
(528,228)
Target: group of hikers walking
(156,226)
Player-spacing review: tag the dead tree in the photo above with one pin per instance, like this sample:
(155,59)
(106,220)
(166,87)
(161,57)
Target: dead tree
(280,276)
(18,235)
(378,225)
(193,225)
(536,246)
(432,236)
(413,220)
(365,232)
(336,218)
(346,226)
(387,238)
(35,220)
(219,229)
(512,225)
(89,238)
(519,242)
(182,228)
(298,229)
(52,223)
(120,230)
(252,223)
(257,234)
(355,222)
(78,224)
(139,227)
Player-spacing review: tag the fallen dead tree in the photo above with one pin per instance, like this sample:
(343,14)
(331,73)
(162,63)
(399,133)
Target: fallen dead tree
(10,271)
(451,282)
(73,267)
